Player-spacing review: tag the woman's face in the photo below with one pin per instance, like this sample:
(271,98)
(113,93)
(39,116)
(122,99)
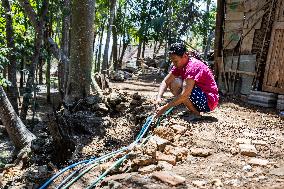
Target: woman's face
(177,60)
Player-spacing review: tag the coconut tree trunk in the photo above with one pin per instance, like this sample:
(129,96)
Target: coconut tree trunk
(18,133)
(12,90)
(80,67)
(105,59)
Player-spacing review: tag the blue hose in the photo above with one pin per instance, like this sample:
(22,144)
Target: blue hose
(60,172)
(92,160)
(118,162)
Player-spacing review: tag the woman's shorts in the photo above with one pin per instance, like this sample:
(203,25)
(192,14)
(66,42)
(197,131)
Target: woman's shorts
(199,100)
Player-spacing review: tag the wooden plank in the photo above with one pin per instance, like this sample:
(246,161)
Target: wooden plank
(235,6)
(241,72)
(274,74)
(247,41)
(273,89)
(252,5)
(234,1)
(234,16)
(247,63)
(233,26)
(280,12)
(253,19)
(278,25)
(231,39)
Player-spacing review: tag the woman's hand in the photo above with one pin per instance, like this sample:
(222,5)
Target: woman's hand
(160,110)
(159,101)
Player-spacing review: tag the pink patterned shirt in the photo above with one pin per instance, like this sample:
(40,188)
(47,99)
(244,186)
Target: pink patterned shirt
(203,77)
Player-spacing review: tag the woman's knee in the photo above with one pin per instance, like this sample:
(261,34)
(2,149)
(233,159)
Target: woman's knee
(176,86)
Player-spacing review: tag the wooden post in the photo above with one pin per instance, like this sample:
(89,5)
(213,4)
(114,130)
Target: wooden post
(218,44)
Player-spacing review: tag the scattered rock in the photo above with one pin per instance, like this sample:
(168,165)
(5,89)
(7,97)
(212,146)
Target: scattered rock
(121,107)
(165,165)
(248,150)
(161,143)
(117,76)
(149,169)
(150,148)
(168,158)
(257,161)
(143,160)
(180,152)
(100,107)
(243,141)
(278,171)
(136,96)
(259,142)
(247,168)
(135,102)
(200,152)
(169,177)
(114,99)
(118,177)
(165,133)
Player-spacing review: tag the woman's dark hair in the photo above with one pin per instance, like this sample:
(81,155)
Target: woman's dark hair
(178,49)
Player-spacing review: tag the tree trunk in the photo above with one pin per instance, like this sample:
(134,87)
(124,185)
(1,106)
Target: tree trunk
(124,47)
(22,72)
(218,34)
(105,59)
(65,44)
(100,50)
(138,61)
(208,44)
(12,67)
(17,131)
(207,32)
(114,46)
(47,78)
(143,49)
(40,70)
(80,67)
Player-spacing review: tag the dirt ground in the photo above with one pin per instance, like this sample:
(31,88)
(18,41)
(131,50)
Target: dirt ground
(214,143)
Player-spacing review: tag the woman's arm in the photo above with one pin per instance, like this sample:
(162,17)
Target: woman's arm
(164,85)
(183,97)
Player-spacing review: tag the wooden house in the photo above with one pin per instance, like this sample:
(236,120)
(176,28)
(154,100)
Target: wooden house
(249,46)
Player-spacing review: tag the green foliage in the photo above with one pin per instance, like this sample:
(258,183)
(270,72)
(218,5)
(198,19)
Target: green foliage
(135,20)
(4,82)
(204,23)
